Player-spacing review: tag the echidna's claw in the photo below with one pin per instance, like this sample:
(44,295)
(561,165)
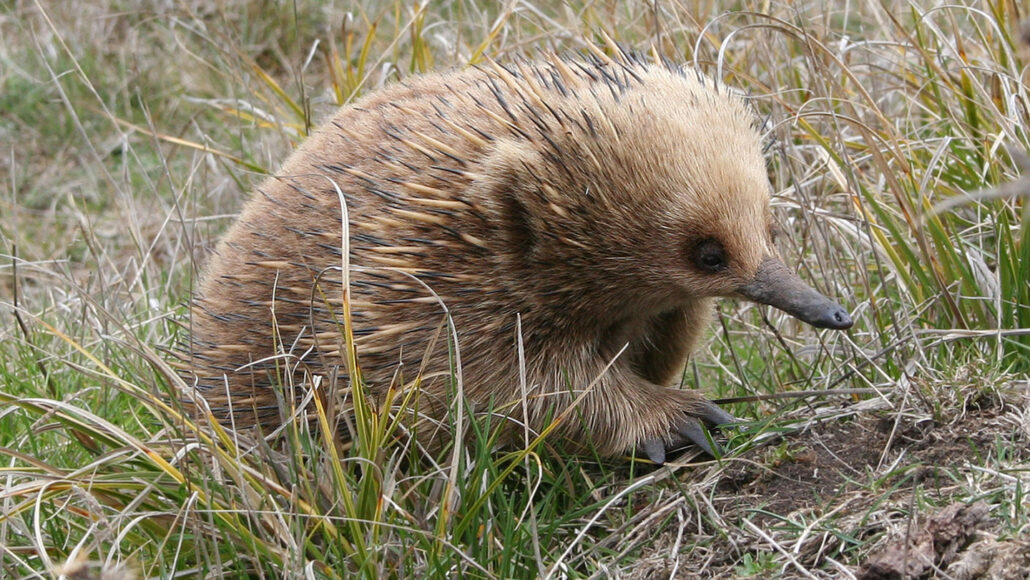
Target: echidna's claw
(714,415)
(692,430)
(654,449)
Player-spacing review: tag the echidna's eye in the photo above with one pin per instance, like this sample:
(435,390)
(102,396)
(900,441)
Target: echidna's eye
(710,256)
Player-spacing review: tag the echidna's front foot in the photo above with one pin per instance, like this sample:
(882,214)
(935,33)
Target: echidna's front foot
(689,429)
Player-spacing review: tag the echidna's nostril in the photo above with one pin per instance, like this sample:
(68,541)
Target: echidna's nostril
(841,319)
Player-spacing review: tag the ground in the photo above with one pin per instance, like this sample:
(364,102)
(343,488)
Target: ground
(876,481)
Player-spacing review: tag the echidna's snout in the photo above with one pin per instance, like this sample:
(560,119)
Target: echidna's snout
(774,284)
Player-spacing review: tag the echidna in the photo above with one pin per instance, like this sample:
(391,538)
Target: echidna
(574,218)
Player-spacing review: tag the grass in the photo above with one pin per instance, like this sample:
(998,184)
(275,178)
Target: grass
(898,133)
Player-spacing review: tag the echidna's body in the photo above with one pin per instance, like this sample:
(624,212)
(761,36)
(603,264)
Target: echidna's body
(601,205)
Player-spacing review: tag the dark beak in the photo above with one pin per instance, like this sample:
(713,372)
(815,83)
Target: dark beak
(774,284)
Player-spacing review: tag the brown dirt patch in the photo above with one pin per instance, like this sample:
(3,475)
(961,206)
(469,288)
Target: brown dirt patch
(827,460)
(836,493)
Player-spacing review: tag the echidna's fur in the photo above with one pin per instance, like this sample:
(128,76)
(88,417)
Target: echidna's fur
(572,195)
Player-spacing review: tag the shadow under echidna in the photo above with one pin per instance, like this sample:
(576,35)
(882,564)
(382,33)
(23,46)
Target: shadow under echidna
(586,212)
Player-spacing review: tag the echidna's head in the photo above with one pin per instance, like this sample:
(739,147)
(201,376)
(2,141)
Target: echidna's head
(703,163)
(666,193)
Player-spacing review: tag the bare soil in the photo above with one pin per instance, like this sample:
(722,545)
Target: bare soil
(874,496)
